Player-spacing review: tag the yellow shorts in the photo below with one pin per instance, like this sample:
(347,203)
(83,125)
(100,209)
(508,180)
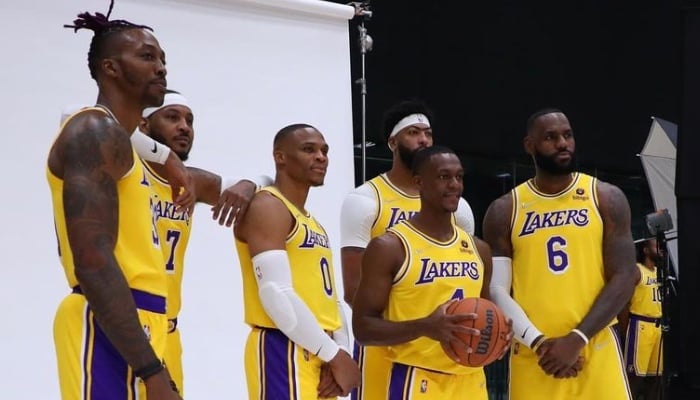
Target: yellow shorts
(375,367)
(643,348)
(603,375)
(89,367)
(278,369)
(409,383)
(173,355)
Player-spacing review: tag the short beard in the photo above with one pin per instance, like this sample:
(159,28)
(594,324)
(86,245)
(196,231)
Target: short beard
(550,166)
(184,155)
(406,156)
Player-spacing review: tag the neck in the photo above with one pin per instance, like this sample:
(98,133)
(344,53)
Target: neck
(550,183)
(127,113)
(401,177)
(294,191)
(649,263)
(434,223)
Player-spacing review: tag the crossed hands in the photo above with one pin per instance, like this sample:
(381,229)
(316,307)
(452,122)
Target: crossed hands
(560,357)
(338,376)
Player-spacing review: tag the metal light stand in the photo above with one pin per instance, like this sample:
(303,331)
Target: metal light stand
(362,10)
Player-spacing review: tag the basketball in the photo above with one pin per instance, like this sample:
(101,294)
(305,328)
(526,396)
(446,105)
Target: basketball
(490,321)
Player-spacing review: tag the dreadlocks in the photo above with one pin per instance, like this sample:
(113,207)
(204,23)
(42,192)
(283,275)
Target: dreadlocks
(103,29)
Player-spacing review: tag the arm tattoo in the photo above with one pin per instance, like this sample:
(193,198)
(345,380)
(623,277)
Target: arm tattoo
(94,159)
(497,226)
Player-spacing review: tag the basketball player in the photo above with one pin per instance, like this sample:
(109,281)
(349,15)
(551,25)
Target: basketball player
(110,332)
(563,239)
(377,205)
(640,323)
(289,294)
(172,124)
(403,292)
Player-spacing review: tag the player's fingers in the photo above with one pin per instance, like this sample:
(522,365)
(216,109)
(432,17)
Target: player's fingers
(216,210)
(462,317)
(232,215)
(242,210)
(447,347)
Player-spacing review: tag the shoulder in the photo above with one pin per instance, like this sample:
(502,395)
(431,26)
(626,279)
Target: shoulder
(386,241)
(500,210)
(359,203)
(611,200)
(482,247)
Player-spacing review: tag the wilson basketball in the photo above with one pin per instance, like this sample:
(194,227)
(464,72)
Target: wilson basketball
(490,321)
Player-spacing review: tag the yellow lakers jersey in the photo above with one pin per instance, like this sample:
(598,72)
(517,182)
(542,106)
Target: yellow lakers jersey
(432,273)
(137,248)
(174,233)
(311,263)
(645,299)
(393,204)
(557,253)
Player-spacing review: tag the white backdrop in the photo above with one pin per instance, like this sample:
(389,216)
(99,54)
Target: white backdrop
(248,68)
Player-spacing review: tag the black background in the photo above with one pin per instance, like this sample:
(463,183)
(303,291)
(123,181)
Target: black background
(484,67)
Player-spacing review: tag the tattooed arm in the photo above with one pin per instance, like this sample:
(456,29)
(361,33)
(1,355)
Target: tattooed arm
(621,272)
(91,155)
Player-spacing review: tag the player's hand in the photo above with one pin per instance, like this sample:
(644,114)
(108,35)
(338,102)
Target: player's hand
(442,327)
(558,355)
(327,387)
(509,338)
(158,387)
(573,371)
(233,202)
(345,372)
(181,183)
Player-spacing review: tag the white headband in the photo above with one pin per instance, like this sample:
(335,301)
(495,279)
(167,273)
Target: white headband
(171,99)
(413,119)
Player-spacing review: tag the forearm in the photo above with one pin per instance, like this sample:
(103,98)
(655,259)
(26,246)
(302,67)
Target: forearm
(611,300)
(112,304)
(376,331)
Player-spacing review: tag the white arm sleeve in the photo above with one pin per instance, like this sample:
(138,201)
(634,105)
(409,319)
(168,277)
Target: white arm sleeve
(342,335)
(357,215)
(464,217)
(291,315)
(148,149)
(501,279)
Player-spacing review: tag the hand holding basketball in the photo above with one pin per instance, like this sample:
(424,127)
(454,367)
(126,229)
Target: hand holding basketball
(443,325)
(495,332)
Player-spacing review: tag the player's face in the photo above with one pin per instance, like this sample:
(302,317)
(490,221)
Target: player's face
(173,126)
(551,144)
(652,250)
(410,140)
(141,62)
(441,182)
(307,159)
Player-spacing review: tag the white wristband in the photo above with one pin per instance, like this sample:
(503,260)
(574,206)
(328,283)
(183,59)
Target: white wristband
(581,334)
(148,149)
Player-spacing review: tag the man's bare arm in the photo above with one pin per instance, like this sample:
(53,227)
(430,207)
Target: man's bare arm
(621,272)
(94,154)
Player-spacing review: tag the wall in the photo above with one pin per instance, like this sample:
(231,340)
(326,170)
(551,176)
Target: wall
(248,68)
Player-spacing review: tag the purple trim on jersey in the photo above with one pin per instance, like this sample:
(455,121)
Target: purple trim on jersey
(357,355)
(143,300)
(400,379)
(276,365)
(630,345)
(108,370)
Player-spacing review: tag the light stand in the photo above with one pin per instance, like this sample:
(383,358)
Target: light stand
(658,224)
(362,10)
